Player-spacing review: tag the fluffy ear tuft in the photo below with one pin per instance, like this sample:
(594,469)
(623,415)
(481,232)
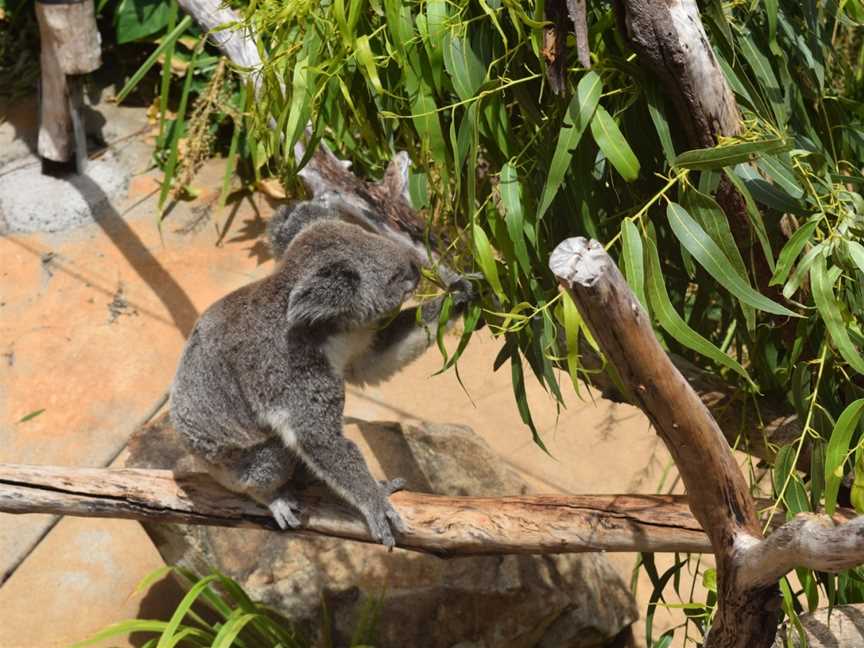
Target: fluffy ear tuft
(329,294)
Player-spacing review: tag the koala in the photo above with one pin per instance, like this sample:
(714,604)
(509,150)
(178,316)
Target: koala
(261,382)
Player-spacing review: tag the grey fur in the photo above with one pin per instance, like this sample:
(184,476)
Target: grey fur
(261,382)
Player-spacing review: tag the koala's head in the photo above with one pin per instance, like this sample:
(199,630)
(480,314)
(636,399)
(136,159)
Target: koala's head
(345,276)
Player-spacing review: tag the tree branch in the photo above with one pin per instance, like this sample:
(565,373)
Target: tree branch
(810,541)
(446,526)
(718,493)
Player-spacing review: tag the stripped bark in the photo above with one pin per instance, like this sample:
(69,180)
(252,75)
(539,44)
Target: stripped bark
(748,567)
(445,526)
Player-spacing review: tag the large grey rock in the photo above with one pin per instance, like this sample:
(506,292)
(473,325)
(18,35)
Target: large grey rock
(576,601)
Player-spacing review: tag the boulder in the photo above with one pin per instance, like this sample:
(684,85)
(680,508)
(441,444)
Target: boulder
(565,601)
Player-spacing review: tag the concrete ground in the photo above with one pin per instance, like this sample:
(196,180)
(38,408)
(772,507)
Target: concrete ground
(92,322)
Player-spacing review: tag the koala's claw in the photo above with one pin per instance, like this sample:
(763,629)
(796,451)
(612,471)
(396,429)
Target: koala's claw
(391,486)
(283,509)
(382,523)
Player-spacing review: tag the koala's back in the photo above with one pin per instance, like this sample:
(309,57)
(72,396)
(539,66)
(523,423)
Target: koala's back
(216,390)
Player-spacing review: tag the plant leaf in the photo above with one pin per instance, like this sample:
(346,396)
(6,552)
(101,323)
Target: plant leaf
(729,155)
(673,324)
(705,251)
(829,310)
(611,141)
(838,448)
(579,114)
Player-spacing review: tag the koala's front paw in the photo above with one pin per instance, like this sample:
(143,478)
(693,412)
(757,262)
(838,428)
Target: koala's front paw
(382,522)
(285,510)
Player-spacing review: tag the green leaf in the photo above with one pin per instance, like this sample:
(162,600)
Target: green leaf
(166,42)
(754,215)
(829,310)
(765,77)
(611,141)
(856,251)
(511,199)
(708,254)
(838,448)
(705,210)
(787,484)
(657,110)
(857,494)
(728,155)
(486,261)
(32,415)
(572,321)
(137,19)
(634,265)
(790,252)
(673,324)
(464,66)
(579,114)
(801,271)
(364,55)
(775,169)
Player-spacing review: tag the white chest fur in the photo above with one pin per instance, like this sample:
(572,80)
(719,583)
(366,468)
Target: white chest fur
(343,348)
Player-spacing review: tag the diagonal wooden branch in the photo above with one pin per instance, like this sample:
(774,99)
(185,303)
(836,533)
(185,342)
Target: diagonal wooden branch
(718,493)
(748,567)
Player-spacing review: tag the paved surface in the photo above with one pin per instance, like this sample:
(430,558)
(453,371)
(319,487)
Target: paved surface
(92,321)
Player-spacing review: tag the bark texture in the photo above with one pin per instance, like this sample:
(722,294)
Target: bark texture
(748,567)
(69,45)
(441,525)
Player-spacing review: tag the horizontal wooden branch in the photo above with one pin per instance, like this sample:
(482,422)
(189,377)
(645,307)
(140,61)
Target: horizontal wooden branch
(446,526)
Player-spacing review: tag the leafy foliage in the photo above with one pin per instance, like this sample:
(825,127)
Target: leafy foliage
(217,613)
(775,307)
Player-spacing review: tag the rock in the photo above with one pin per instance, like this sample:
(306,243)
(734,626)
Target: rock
(33,202)
(572,601)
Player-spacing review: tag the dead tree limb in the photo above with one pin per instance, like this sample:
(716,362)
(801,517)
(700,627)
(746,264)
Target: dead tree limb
(446,526)
(748,567)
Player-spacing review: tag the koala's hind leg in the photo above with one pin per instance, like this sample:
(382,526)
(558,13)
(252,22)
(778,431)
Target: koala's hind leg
(262,472)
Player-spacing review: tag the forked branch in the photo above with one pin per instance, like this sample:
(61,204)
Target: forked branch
(748,567)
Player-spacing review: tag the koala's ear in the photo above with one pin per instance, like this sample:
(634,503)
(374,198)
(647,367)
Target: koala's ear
(396,176)
(324,295)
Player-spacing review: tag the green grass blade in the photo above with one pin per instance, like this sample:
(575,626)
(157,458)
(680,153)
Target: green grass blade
(167,41)
(838,449)
(121,629)
(180,612)
(611,141)
(708,254)
(829,309)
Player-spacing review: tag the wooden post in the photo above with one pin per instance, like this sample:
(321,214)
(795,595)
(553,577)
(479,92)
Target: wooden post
(70,47)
